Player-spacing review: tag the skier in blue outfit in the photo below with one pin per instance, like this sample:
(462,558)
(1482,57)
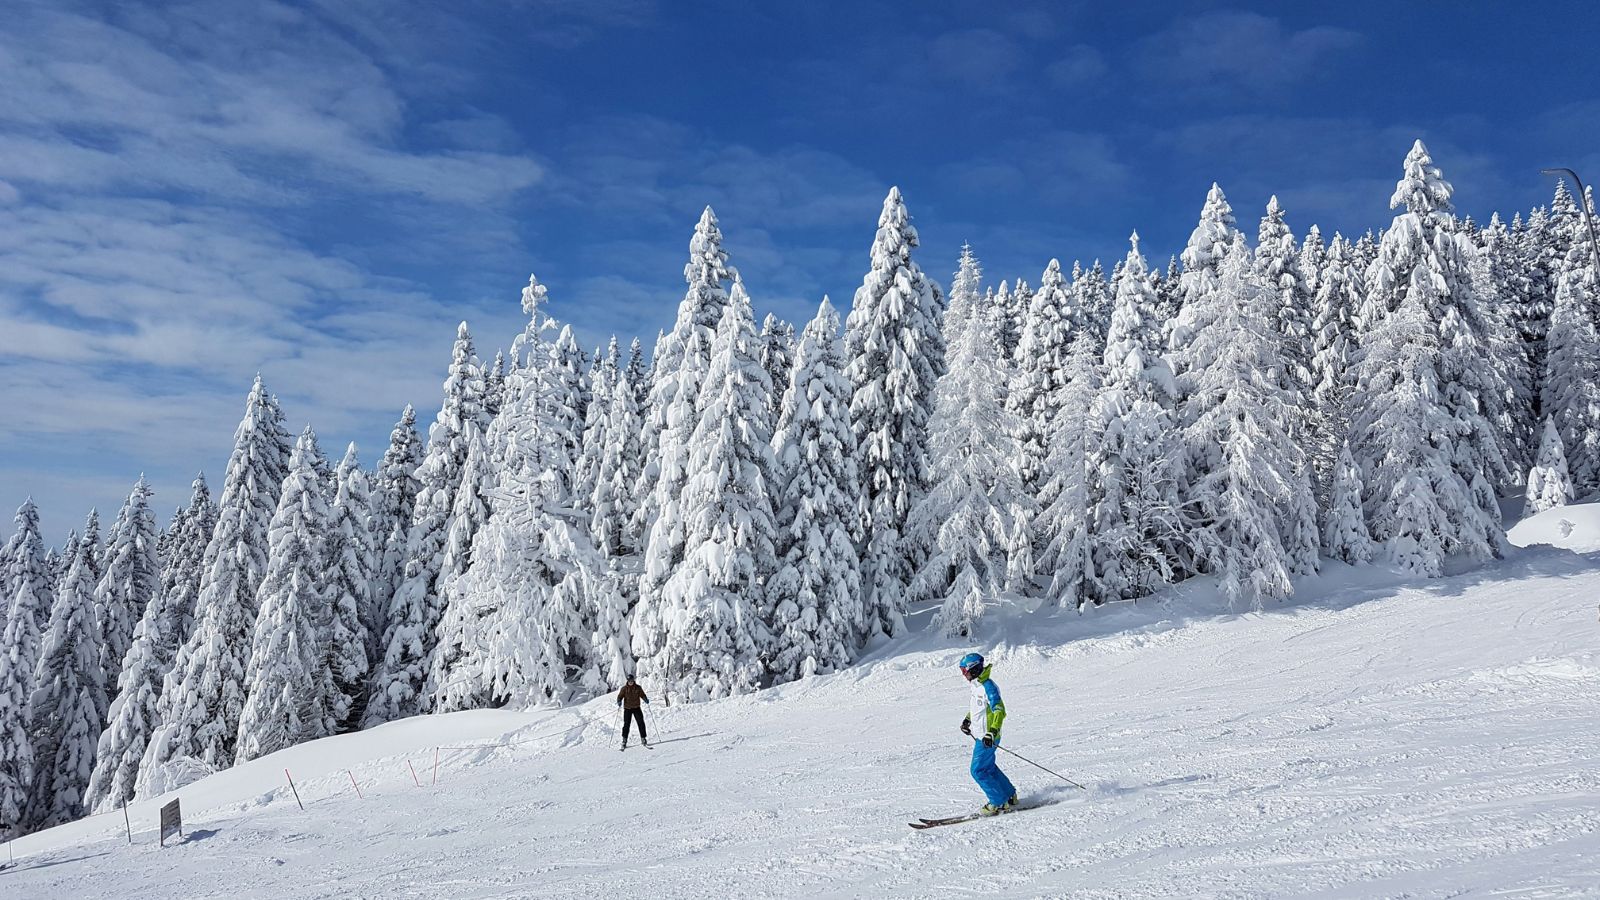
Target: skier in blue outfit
(989,713)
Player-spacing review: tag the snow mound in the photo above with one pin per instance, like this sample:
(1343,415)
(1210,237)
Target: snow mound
(1575,527)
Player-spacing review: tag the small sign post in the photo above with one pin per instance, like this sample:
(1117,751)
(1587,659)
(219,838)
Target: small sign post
(171,821)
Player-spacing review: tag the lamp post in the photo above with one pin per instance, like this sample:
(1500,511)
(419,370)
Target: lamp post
(1583,204)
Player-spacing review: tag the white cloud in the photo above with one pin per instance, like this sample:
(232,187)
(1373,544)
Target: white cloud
(165,173)
(1238,52)
(224,105)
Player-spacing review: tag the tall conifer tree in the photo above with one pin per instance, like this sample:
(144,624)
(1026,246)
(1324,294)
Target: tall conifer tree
(204,693)
(896,355)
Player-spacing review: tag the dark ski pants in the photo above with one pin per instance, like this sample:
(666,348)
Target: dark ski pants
(996,786)
(628,718)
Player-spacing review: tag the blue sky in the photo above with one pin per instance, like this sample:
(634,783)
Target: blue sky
(191,193)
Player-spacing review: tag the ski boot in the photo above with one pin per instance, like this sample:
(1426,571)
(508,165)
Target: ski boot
(989,809)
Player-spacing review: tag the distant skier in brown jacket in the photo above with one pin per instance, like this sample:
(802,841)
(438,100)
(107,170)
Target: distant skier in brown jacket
(628,700)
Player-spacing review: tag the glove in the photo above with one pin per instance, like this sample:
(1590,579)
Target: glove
(988,740)
(966,725)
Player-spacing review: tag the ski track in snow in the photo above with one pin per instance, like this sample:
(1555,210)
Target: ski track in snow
(1366,740)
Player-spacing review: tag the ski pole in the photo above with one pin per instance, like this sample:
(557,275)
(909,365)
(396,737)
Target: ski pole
(1043,769)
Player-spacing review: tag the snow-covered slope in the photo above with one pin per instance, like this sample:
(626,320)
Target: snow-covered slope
(1366,740)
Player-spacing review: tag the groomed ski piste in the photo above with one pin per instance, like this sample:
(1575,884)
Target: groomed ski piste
(1372,737)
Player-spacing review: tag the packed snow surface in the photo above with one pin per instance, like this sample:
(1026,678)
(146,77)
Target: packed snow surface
(1370,738)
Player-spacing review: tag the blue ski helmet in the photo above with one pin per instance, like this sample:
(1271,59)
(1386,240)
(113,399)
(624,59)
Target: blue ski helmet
(972,664)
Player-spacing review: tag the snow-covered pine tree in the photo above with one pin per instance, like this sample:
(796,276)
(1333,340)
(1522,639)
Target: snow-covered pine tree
(638,373)
(394,498)
(966,293)
(1421,254)
(1064,526)
(494,384)
(25,585)
(1016,312)
(777,355)
(180,577)
(64,711)
(670,416)
(54,569)
(204,692)
(604,381)
(1213,238)
(487,451)
(1313,257)
(1142,537)
(1540,259)
(716,640)
(1416,502)
(1363,253)
(896,355)
(411,628)
(1334,335)
(291,684)
(1277,263)
(1504,288)
(164,537)
(572,367)
(350,568)
(1169,294)
(131,581)
(613,505)
(1344,526)
(1092,294)
(816,594)
(16,747)
(464,611)
(969,515)
(1012,317)
(1571,393)
(1253,501)
(1034,399)
(516,630)
(1549,483)
(26,588)
(135,713)
(1551,236)
(58,574)
(91,543)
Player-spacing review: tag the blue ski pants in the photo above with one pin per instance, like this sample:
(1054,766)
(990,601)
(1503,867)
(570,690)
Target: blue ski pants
(996,786)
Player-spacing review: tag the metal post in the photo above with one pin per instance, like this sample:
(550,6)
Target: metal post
(1583,204)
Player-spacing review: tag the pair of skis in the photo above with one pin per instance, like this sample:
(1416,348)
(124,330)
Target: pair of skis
(646,746)
(924,824)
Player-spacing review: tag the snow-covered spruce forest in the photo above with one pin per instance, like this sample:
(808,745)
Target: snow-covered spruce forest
(750,505)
